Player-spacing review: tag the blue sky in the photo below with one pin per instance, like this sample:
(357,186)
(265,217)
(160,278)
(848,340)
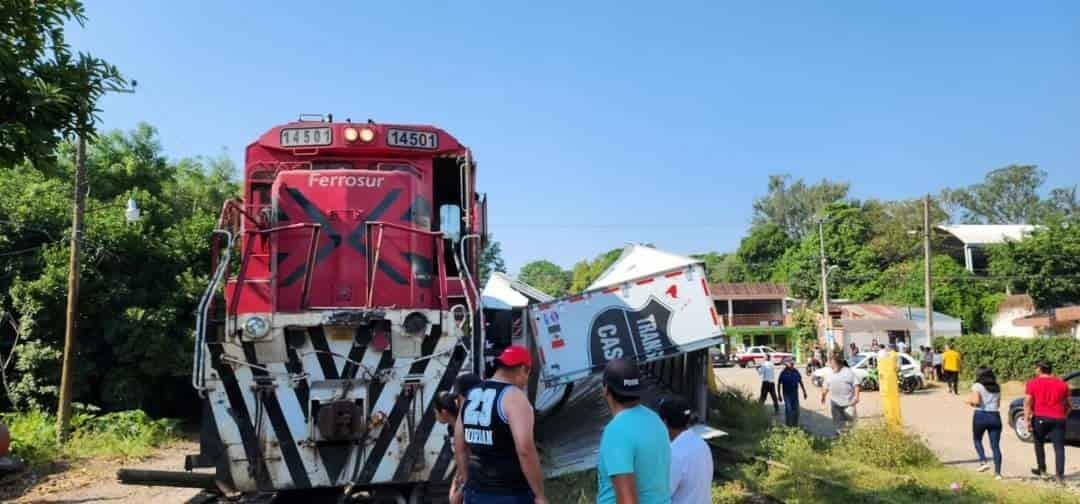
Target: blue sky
(601,123)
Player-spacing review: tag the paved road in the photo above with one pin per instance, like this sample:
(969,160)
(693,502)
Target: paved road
(942,418)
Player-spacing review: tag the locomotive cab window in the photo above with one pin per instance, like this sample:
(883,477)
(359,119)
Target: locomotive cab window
(448,204)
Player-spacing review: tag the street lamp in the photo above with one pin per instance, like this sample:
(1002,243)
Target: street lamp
(132,213)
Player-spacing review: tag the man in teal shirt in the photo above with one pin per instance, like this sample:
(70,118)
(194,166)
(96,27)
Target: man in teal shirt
(635,454)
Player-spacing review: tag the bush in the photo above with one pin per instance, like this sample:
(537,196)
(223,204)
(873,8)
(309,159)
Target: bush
(731,492)
(882,447)
(737,413)
(125,434)
(33,437)
(788,443)
(1014,358)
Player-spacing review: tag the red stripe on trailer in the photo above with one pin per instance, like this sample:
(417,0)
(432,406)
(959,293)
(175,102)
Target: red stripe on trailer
(576,298)
(715,319)
(705,286)
(645,281)
(609,290)
(673,274)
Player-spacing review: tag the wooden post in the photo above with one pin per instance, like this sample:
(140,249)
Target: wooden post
(928,291)
(63,411)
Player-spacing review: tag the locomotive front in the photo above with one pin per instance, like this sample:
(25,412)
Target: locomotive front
(338,309)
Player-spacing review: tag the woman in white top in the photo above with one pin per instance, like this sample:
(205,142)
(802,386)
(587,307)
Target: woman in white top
(985,397)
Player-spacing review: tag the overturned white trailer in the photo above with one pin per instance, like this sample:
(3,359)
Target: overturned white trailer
(649,306)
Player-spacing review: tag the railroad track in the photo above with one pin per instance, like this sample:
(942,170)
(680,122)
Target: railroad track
(428,493)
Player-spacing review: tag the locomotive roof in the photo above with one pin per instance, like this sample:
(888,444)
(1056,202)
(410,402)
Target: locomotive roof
(396,140)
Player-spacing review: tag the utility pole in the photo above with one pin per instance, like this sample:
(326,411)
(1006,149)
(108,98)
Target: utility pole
(827,320)
(926,271)
(63,414)
(63,410)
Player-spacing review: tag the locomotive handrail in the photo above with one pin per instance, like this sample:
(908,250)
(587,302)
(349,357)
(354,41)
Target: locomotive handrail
(438,248)
(298,225)
(312,243)
(198,371)
(234,205)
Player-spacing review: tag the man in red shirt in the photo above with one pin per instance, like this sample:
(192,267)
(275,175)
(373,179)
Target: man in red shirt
(1046,406)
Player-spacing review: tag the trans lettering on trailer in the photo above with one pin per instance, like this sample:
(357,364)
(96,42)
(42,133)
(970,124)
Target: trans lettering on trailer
(620,332)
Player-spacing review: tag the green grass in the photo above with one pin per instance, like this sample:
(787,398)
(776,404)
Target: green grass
(124,434)
(875,464)
(870,465)
(577,488)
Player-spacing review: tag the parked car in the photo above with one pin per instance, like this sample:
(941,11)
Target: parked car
(1072,425)
(862,362)
(719,358)
(757,355)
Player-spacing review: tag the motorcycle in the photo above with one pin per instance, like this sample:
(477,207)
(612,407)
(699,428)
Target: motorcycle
(909,382)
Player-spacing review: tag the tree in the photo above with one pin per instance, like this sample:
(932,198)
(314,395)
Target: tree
(761,249)
(721,267)
(1063,203)
(1045,265)
(47,91)
(546,276)
(586,272)
(897,227)
(1010,195)
(957,292)
(792,207)
(847,233)
(141,282)
(491,259)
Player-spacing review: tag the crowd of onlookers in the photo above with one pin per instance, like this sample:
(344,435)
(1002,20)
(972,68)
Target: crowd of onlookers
(1046,401)
(646,456)
(652,457)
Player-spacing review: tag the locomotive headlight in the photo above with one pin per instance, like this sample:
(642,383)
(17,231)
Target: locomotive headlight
(351,135)
(256,327)
(364,134)
(415,323)
(367,134)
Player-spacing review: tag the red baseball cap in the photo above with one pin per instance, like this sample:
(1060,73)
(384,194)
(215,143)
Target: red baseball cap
(515,355)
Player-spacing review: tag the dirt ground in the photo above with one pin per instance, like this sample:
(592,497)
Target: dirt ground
(95,481)
(943,419)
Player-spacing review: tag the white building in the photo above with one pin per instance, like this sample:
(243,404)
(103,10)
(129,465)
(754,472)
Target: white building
(973,239)
(1012,309)
(864,323)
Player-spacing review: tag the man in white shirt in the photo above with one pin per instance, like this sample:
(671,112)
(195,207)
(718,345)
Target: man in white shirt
(691,460)
(768,384)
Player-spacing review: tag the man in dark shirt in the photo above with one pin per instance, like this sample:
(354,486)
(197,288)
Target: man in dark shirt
(790,381)
(493,439)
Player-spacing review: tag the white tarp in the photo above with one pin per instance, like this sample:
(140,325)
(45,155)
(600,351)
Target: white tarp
(638,261)
(502,292)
